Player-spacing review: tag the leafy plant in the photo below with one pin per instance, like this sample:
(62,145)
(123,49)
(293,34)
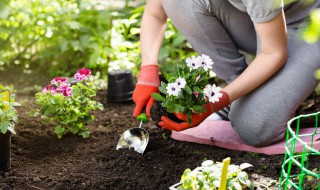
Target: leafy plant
(187,89)
(208,176)
(8,113)
(68,106)
(64,35)
(311,33)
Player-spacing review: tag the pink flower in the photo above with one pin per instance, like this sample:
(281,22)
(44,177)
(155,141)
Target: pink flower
(62,87)
(82,74)
(47,88)
(68,91)
(196,94)
(58,80)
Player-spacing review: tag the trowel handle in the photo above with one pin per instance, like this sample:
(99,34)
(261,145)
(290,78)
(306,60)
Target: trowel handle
(142,118)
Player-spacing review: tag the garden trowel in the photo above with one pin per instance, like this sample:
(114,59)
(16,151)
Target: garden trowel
(136,138)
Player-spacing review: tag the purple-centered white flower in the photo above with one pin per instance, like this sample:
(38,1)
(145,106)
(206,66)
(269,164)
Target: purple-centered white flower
(212,93)
(193,62)
(181,82)
(206,62)
(173,89)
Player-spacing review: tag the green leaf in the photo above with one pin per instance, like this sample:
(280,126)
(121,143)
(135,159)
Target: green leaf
(166,102)
(50,109)
(178,108)
(85,134)
(196,89)
(166,76)
(59,131)
(317,74)
(198,109)
(188,89)
(157,97)
(178,41)
(74,25)
(4,126)
(163,88)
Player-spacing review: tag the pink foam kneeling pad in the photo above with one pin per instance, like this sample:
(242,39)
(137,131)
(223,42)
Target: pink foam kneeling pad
(221,134)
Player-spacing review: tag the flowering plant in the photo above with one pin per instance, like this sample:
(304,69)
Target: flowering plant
(208,176)
(68,106)
(8,113)
(187,89)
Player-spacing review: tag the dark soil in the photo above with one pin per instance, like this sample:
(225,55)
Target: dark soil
(42,161)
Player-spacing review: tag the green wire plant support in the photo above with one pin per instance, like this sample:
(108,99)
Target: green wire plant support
(295,173)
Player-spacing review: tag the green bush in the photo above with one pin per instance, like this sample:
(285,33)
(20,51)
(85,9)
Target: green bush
(61,36)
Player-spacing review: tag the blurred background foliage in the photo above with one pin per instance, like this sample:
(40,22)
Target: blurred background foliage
(57,37)
(61,36)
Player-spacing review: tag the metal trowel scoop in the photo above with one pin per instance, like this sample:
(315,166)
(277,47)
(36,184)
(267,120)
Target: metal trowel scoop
(136,138)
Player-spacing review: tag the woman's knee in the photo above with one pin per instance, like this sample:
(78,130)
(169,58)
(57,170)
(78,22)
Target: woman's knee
(258,130)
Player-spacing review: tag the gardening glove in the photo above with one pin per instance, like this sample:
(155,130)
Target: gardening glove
(196,119)
(148,83)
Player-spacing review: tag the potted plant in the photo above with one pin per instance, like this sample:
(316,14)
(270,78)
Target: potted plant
(208,176)
(69,106)
(8,119)
(186,90)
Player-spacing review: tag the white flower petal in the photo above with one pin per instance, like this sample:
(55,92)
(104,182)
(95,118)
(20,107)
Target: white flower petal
(245,165)
(207,163)
(173,89)
(181,82)
(206,62)
(193,62)
(212,93)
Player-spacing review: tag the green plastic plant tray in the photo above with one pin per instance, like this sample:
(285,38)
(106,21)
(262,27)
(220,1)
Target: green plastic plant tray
(295,170)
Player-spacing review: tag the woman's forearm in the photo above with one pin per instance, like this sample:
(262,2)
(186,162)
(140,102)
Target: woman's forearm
(260,70)
(153,27)
(272,57)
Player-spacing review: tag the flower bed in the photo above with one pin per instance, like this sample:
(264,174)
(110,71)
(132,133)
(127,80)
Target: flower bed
(42,161)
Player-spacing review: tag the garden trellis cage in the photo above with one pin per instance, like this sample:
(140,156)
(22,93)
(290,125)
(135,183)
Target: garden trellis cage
(295,173)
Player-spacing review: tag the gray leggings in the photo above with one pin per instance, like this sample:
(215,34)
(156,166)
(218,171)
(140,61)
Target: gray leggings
(217,29)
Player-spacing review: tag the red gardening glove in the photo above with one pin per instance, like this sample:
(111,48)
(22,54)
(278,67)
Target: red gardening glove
(196,119)
(148,83)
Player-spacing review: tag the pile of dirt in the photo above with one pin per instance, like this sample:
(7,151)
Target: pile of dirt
(42,161)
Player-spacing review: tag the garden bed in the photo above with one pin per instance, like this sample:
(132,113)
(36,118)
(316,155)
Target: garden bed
(42,161)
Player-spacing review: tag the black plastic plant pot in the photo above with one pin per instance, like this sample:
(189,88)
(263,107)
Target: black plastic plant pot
(5,151)
(120,86)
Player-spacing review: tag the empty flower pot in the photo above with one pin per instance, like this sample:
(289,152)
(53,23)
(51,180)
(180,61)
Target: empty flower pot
(5,151)
(120,86)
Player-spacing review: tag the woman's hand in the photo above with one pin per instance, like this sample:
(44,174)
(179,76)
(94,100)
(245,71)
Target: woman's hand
(196,119)
(148,83)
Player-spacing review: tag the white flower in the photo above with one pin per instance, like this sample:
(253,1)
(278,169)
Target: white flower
(237,185)
(212,93)
(207,163)
(206,62)
(181,82)
(212,74)
(173,89)
(193,62)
